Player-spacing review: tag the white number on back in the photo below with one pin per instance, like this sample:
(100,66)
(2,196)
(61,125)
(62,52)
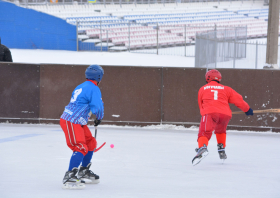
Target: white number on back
(76,93)
(215,94)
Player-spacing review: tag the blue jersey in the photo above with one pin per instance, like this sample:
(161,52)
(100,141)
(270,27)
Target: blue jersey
(86,99)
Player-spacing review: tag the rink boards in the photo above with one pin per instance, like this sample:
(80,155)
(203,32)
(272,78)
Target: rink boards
(38,93)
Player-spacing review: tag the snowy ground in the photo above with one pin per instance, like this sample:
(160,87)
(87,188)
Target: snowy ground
(101,58)
(151,162)
(169,57)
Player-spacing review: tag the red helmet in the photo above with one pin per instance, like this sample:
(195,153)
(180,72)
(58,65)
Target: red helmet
(213,75)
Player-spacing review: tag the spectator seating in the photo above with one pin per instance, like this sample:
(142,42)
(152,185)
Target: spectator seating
(136,25)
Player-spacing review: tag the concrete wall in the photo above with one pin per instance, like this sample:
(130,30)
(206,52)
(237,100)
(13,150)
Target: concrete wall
(139,95)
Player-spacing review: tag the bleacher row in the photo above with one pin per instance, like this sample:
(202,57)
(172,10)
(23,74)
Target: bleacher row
(178,22)
(137,25)
(132,17)
(83,10)
(73,20)
(121,36)
(254,25)
(168,34)
(162,18)
(146,43)
(158,17)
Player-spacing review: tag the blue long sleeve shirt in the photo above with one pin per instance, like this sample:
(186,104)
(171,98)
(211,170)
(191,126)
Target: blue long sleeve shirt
(86,99)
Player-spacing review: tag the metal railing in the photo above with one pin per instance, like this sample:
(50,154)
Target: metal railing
(232,49)
(220,45)
(234,52)
(256,55)
(149,38)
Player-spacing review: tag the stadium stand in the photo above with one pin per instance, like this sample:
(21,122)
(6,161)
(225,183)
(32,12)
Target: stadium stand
(75,10)
(136,25)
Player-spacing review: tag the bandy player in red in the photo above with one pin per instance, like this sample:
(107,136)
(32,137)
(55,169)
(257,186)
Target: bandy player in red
(213,101)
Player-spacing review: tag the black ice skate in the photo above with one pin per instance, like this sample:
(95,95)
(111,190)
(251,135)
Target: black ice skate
(70,180)
(221,151)
(87,175)
(202,152)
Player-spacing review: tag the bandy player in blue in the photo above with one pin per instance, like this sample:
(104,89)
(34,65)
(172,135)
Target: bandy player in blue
(86,99)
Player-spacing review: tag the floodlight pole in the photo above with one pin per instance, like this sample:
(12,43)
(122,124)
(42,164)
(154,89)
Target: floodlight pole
(272,34)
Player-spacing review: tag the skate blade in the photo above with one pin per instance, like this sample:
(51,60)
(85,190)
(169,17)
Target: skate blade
(197,160)
(73,186)
(90,181)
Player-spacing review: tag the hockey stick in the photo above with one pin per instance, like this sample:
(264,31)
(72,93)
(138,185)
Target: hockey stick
(95,132)
(97,149)
(260,111)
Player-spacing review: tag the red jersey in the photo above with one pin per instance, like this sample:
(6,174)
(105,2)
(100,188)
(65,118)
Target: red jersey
(215,98)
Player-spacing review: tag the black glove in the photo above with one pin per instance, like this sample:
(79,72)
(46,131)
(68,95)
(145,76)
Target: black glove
(97,122)
(249,112)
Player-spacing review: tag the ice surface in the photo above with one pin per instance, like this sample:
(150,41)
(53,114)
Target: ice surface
(150,162)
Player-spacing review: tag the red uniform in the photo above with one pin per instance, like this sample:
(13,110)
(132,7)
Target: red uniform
(78,137)
(213,101)
(215,98)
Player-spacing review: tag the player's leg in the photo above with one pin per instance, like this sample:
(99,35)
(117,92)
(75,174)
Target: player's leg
(75,139)
(221,135)
(207,125)
(76,142)
(84,173)
(91,144)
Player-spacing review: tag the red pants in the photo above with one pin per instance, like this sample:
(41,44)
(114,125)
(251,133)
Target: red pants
(211,122)
(78,137)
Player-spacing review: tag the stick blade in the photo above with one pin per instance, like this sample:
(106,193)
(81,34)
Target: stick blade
(97,149)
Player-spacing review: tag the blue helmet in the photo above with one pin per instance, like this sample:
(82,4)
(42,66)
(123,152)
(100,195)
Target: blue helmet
(94,72)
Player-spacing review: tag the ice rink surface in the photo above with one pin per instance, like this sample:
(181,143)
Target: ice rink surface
(145,163)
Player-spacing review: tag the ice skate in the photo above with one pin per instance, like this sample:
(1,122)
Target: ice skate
(202,152)
(87,175)
(221,151)
(70,180)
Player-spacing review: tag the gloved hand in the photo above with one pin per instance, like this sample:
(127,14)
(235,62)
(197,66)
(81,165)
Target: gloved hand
(249,112)
(97,122)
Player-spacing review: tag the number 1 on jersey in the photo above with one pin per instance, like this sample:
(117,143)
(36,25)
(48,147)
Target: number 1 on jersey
(215,94)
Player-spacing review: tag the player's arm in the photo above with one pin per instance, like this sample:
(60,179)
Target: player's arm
(236,99)
(199,99)
(96,105)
